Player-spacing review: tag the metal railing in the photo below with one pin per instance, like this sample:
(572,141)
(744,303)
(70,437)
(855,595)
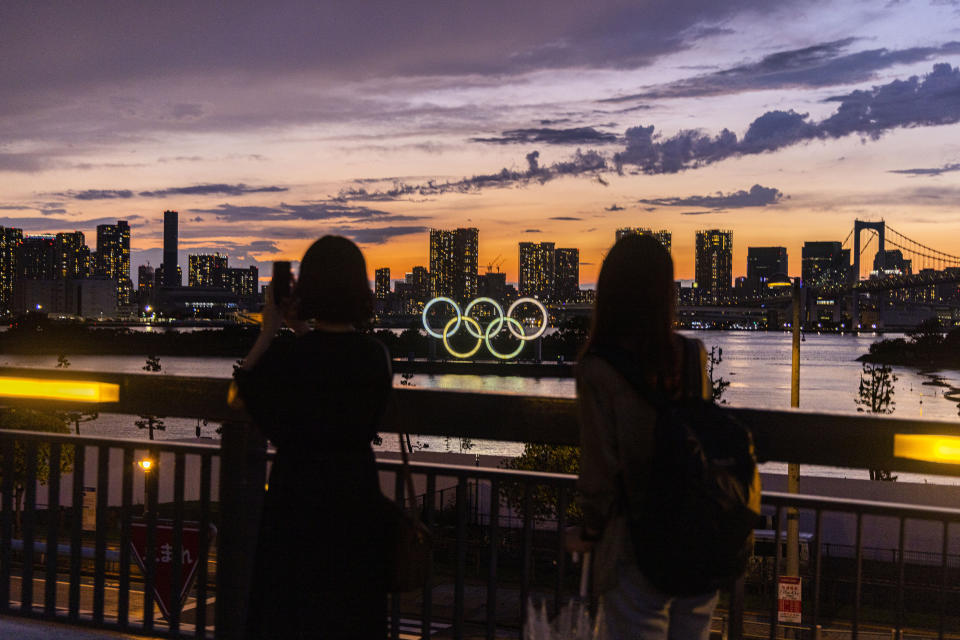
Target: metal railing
(493,552)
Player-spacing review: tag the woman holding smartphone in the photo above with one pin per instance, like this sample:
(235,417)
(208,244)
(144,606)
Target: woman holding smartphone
(318,397)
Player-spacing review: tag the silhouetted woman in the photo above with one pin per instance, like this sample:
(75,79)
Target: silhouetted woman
(634,313)
(318,397)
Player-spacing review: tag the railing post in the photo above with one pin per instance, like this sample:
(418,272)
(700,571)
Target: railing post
(736,610)
(242,480)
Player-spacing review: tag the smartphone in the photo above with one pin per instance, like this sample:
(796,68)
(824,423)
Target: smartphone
(282,282)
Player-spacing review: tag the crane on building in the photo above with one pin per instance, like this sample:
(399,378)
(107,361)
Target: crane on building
(496,262)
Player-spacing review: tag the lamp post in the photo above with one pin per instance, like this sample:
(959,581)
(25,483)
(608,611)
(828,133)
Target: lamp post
(146,465)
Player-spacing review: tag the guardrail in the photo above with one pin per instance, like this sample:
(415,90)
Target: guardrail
(212,484)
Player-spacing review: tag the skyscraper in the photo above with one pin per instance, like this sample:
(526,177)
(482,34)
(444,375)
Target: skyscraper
(567,275)
(113,257)
(207,270)
(382,283)
(244,283)
(420,283)
(454,261)
(824,264)
(10,240)
(664,236)
(73,256)
(714,265)
(36,258)
(537,272)
(762,264)
(171,277)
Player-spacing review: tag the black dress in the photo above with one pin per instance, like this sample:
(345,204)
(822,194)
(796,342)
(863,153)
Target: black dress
(319,570)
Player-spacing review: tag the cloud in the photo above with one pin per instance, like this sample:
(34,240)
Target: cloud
(565,218)
(933,171)
(582,162)
(821,65)
(532,231)
(211,189)
(577,135)
(54,224)
(322,210)
(931,100)
(613,207)
(757,196)
(195,190)
(377,235)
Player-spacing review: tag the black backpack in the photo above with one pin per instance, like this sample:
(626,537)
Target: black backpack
(692,522)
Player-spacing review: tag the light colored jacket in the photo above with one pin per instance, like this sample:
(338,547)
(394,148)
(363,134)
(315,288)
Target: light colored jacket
(616,447)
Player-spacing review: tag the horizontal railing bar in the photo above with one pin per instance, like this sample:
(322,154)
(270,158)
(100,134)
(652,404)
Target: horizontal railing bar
(482,473)
(113,443)
(869,507)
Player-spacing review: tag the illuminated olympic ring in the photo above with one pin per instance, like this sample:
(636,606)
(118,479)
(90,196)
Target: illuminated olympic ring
(493,329)
(462,354)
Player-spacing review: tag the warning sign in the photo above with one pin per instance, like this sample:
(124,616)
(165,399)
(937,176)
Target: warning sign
(163,559)
(788,600)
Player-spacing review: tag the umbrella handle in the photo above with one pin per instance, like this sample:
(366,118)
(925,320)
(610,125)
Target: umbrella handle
(584,574)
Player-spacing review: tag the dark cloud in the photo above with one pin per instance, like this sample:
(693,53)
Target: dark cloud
(613,207)
(577,135)
(377,235)
(25,162)
(195,190)
(701,213)
(308,211)
(757,196)
(564,218)
(197,219)
(210,190)
(532,231)
(589,162)
(933,99)
(821,65)
(932,171)
(54,224)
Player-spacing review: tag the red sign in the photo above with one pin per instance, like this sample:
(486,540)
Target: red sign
(163,560)
(788,600)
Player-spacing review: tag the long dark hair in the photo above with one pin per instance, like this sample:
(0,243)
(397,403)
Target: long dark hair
(333,285)
(636,302)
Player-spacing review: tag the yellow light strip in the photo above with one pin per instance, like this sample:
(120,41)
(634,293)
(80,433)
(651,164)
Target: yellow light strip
(929,448)
(73,390)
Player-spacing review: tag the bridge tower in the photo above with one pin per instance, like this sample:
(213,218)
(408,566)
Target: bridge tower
(880,228)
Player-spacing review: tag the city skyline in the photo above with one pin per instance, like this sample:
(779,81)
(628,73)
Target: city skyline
(559,123)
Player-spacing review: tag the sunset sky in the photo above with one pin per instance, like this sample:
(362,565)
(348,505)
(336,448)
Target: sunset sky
(268,125)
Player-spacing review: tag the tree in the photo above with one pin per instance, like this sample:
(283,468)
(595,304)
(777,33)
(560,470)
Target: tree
(30,420)
(717,384)
(75,417)
(62,362)
(545,502)
(153,423)
(875,395)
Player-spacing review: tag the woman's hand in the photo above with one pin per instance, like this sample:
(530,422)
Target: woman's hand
(573,540)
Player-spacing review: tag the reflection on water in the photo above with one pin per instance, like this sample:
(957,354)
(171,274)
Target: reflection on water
(757,364)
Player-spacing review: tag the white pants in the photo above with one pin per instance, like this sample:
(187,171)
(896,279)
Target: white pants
(635,610)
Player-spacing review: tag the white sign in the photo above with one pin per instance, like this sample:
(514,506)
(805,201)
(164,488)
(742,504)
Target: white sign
(89,508)
(788,600)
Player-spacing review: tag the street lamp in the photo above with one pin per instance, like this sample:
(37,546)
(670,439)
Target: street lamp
(146,465)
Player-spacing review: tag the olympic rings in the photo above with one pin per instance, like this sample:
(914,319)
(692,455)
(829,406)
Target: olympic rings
(475,301)
(514,326)
(459,354)
(426,308)
(543,311)
(489,333)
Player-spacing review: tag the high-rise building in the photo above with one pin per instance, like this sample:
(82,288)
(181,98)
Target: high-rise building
(145,280)
(824,264)
(566,275)
(244,283)
(113,257)
(36,258)
(493,284)
(10,240)
(664,236)
(762,264)
(170,275)
(713,265)
(419,279)
(454,258)
(893,263)
(537,272)
(207,270)
(382,283)
(73,256)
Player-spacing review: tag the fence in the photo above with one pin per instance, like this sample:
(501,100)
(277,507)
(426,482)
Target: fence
(484,568)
